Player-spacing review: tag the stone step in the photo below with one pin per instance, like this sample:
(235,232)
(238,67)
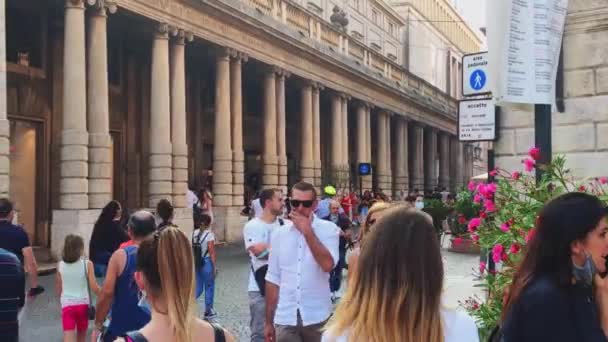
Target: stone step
(43,254)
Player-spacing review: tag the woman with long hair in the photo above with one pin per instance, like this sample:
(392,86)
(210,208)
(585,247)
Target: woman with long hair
(107,236)
(557,293)
(395,294)
(164,211)
(165,275)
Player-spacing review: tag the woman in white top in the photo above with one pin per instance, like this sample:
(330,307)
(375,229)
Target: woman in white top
(74,277)
(395,293)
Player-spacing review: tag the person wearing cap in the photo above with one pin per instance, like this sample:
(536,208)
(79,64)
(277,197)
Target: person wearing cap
(323,208)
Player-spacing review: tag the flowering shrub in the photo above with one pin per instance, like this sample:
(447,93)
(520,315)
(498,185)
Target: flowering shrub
(505,223)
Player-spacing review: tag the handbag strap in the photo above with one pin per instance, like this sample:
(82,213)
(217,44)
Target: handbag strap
(218,332)
(86,278)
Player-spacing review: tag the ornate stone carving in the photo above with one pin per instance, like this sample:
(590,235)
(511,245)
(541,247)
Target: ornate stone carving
(339,19)
(102,5)
(162,30)
(181,36)
(281,72)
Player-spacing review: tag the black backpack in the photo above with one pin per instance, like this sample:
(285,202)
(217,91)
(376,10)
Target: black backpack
(197,212)
(197,249)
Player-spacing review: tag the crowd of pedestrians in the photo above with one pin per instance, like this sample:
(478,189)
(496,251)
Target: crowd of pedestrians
(146,279)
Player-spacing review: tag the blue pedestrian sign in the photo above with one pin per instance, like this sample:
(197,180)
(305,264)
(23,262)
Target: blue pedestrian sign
(365,169)
(478,79)
(475,77)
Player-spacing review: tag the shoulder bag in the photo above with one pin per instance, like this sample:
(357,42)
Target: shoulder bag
(91,308)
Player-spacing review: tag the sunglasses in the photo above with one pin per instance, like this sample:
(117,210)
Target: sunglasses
(306,204)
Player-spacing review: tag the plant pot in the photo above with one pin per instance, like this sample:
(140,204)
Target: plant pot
(463,245)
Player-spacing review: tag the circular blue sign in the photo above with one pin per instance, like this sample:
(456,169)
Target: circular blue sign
(478,79)
(365,169)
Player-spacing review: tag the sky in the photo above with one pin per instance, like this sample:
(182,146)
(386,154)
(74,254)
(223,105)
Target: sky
(474,11)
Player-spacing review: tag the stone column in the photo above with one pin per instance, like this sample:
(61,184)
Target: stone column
(444,160)
(222,145)
(367,182)
(316,127)
(456,174)
(161,179)
(74,185)
(336,134)
(281,130)
(381,168)
(388,188)
(306,126)
(430,158)
(4,124)
(400,180)
(468,163)
(345,146)
(98,115)
(236,109)
(178,119)
(417,152)
(270,177)
(362,131)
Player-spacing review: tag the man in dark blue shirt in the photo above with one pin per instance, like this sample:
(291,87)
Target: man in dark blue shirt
(12,295)
(15,240)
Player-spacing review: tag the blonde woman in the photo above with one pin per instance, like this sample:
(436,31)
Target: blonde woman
(374,214)
(165,276)
(396,293)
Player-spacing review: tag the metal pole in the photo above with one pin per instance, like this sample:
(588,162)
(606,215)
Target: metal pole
(542,136)
(491,264)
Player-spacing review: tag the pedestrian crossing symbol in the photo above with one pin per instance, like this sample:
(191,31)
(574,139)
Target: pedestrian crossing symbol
(478,79)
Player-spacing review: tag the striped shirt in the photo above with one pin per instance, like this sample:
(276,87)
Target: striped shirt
(12,294)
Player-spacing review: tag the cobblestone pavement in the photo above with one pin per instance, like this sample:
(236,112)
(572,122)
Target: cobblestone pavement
(41,319)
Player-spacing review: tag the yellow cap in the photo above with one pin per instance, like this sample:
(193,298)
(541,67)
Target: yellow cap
(329,190)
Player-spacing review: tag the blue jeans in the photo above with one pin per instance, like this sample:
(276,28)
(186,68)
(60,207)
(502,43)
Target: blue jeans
(205,282)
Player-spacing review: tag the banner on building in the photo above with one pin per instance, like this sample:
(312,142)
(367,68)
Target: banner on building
(524,42)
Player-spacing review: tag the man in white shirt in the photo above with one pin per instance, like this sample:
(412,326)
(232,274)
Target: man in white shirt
(298,300)
(257,234)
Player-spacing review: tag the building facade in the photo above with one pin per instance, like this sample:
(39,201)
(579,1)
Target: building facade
(134,99)
(579,132)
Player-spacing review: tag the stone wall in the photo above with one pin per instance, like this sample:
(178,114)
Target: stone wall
(581,131)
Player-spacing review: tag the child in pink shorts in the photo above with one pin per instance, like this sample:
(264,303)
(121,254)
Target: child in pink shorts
(75,275)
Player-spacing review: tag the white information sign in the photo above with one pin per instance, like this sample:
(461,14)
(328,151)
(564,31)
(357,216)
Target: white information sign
(524,40)
(475,74)
(476,120)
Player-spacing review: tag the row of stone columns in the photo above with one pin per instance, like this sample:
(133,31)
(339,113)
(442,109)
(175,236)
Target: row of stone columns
(86,144)
(86,162)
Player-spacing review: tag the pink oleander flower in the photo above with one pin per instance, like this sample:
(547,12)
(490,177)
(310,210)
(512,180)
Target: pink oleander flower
(462,220)
(603,180)
(534,153)
(458,241)
(529,165)
(515,175)
(498,249)
(582,188)
(482,189)
(491,188)
(505,227)
(489,206)
(493,173)
(515,248)
(471,186)
(475,237)
(477,198)
(474,223)
(497,257)
(482,267)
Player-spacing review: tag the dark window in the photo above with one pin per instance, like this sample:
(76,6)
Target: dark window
(24,37)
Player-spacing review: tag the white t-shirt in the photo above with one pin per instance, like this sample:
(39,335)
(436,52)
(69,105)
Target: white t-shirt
(206,237)
(74,283)
(457,327)
(257,208)
(191,199)
(257,231)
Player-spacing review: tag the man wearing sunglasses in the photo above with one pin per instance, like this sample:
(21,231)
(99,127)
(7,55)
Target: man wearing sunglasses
(305,251)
